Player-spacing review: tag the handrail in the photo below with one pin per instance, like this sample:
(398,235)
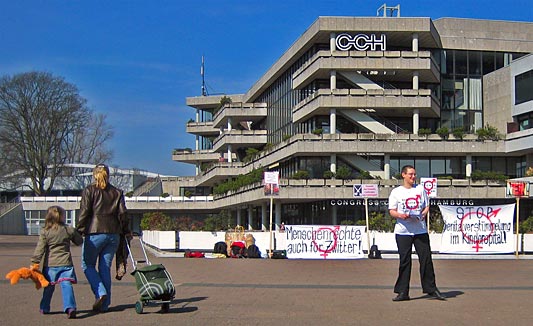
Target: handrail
(140,199)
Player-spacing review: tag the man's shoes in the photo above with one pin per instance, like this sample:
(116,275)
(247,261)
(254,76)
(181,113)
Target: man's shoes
(71,313)
(437,295)
(401,297)
(97,306)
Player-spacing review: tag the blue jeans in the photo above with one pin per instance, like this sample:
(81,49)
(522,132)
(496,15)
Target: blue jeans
(65,275)
(101,247)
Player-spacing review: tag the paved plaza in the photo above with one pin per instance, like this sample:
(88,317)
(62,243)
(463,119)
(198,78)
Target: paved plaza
(288,292)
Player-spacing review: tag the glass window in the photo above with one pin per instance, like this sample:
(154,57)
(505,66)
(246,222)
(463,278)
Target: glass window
(498,164)
(474,63)
(454,167)
(499,60)
(524,87)
(438,167)
(406,161)
(422,168)
(488,62)
(461,63)
(516,167)
(448,62)
(481,164)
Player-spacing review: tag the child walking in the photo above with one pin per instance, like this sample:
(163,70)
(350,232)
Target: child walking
(53,253)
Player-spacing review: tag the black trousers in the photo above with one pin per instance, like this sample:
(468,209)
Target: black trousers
(423,250)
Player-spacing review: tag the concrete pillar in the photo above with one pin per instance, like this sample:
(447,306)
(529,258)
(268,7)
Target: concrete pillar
(229,124)
(277,215)
(197,170)
(468,165)
(333,79)
(415,80)
(239,217)
(333,121)
(265,218)
(332,46)
(197,115)
(250,217)
(386,167)
(230,158)
(415,42)
(333,163)
(197,143)
(416,119)
(334,215)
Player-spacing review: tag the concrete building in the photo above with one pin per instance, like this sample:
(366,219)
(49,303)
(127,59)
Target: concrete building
(359,97)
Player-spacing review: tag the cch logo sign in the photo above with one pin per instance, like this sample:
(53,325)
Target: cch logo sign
(361,42)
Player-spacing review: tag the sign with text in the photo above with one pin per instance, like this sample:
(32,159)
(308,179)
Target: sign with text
(366,190)
(361,42)
(477,229)
(271,183)
(430,186)
(325,241)
(517,189)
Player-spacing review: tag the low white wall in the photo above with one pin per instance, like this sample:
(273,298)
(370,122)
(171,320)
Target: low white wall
(164,240)
(202,240)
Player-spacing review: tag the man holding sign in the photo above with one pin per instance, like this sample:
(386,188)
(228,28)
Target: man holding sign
(409,205)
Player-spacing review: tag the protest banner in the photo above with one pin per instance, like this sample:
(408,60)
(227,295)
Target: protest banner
(477,229)
(324,241)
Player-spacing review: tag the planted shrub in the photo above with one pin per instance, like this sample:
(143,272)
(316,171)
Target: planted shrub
(318,131)
(424,131)
(443,132)
(300,174)
(344,172)
(458,133)
(488,133)
(488,175)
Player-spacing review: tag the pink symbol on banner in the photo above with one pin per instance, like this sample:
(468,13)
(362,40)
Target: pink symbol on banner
(428,186)
(331,244)
(478,240)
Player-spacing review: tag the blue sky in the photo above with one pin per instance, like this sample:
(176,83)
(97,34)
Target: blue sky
(137,61)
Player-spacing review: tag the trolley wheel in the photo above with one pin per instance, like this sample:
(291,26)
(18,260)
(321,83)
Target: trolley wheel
(165,307)
(139,307)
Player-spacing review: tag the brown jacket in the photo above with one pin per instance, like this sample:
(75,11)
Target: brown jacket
(53,247)
(103,211)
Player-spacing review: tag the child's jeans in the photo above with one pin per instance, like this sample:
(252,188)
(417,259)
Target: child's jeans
(65,276)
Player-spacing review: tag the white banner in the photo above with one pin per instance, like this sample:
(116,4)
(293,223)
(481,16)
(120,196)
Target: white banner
(477,229)
(325,241)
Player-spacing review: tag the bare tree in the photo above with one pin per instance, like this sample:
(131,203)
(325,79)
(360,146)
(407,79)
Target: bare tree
(44,124)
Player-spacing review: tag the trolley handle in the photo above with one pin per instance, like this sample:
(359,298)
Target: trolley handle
(133,261)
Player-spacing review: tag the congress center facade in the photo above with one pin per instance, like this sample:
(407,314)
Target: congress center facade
(354,99)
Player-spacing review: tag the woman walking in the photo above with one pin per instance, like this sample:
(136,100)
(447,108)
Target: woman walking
(103,218)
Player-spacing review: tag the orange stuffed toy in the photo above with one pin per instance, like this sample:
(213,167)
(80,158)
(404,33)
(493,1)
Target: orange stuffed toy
(28,273)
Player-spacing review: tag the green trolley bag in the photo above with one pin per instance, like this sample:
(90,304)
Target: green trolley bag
(154,283)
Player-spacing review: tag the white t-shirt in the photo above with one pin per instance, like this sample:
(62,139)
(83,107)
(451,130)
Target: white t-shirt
(409,201)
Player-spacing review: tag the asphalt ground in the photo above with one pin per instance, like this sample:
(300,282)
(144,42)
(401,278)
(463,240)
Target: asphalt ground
(286,292)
